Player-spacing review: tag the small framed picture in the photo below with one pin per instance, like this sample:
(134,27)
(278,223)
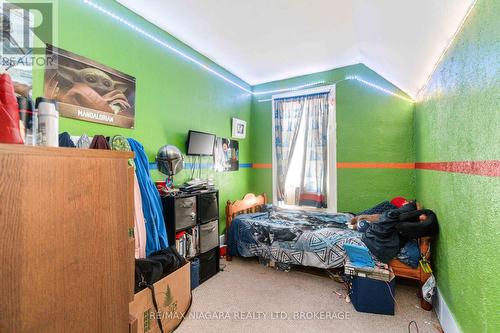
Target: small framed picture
(239,128)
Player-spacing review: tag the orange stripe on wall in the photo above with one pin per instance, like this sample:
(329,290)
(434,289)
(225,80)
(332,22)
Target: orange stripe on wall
(262,166)
(374,165)
(480,168)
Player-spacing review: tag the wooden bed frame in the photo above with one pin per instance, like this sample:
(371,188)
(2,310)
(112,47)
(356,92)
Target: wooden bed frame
(249,204)
(252,203)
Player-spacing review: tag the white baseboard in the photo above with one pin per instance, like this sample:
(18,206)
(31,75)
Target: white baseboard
(445,316)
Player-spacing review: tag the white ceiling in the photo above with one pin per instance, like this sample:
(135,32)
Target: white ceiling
(267,40)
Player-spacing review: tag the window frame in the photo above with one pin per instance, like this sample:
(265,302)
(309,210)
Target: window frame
(332,150)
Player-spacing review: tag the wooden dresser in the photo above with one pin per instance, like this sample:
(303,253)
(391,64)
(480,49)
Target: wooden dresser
(66,253)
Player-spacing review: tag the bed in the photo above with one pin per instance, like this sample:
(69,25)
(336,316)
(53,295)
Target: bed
(293,237)
(255,229)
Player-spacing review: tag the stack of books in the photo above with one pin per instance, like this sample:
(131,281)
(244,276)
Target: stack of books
(376,273)
(187,243)
(192,243)
(180,243)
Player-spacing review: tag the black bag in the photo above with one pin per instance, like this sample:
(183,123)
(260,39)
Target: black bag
(147,272)
(152,269)
(169,258)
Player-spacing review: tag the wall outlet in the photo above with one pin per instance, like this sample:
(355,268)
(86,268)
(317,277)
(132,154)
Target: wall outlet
(222,240)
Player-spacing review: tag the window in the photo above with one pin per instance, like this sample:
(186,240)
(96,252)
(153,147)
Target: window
(304,163)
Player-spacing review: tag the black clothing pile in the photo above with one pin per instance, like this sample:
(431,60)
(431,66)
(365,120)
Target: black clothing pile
(385,237)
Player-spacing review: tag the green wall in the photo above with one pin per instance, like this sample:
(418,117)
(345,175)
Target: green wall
(173,95)
(458,119)
(372,126)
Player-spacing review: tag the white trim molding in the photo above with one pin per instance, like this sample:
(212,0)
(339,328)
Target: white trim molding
(444,314)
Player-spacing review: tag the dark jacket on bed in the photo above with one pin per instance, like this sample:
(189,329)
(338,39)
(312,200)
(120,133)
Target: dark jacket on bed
(385,237)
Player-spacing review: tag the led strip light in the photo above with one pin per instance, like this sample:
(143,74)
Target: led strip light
(164,44)
(387,91)
(207,68)
(288,89)
(352,77)
(445,50)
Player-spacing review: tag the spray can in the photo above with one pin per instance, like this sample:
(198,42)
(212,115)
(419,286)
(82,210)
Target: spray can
(48,121)
(28,120)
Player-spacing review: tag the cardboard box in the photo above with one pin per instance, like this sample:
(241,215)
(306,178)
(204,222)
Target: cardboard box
(173,295)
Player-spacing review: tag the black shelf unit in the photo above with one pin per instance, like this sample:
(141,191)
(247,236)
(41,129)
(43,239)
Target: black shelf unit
(187,210)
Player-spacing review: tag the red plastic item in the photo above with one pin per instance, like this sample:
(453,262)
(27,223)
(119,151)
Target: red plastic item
(223,251)
(9,112)
(160,185)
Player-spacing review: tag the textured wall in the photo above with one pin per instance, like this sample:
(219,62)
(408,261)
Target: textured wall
(458,119)
(173,95)
(372,126)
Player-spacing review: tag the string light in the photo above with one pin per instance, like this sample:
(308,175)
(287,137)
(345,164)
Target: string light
(351,77)
(211,70)
(164,44)
(445,50)
(373,85)
(288,89)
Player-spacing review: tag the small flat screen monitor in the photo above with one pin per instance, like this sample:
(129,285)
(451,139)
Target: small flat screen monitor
(200,144)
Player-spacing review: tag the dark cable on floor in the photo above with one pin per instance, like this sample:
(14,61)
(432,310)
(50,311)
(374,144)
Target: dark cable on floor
(409,326)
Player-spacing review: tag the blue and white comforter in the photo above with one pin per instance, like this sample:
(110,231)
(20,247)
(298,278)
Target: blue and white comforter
(293,237)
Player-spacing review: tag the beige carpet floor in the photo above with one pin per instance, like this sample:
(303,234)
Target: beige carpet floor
(249,297)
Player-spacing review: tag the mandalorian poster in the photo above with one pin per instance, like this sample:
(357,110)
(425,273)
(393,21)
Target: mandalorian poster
(87,90)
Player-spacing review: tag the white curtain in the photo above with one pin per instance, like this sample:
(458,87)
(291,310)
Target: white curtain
(301,147)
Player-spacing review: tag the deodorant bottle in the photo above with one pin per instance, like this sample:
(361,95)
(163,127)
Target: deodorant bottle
(48,122)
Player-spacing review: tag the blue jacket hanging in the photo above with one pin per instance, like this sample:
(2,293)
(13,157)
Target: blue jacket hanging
(156,233)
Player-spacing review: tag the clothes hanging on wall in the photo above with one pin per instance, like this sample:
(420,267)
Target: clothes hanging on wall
(99,142)
(65,140)
(156,233)
(120,143)
(139,223)
(83,142)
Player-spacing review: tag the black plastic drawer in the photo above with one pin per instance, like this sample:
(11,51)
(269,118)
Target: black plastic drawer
(209,264)
(208,207)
